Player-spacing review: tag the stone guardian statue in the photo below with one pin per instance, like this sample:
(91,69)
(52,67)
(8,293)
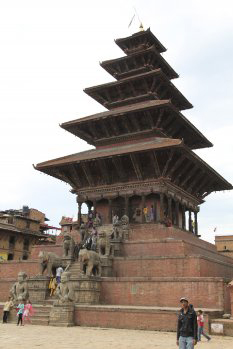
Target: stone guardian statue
(19,291)
(65,291)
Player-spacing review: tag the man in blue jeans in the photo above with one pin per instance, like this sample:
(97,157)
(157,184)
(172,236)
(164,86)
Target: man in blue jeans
(186,326)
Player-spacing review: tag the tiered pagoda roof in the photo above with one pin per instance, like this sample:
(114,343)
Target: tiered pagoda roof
(143,138)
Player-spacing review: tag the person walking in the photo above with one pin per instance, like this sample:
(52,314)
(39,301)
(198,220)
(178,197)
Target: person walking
(6,310)
(20,309)
(200,322)
(28,312)
(59,271)
(186,326)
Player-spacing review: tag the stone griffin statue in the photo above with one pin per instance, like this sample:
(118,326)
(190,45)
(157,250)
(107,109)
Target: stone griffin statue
(49,261)
(68,246)
(90,264)
(65,290)
(19,291)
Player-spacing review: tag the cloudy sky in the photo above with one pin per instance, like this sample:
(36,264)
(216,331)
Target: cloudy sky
(50,51)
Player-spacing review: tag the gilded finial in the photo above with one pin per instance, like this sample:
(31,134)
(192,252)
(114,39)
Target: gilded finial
(141,28)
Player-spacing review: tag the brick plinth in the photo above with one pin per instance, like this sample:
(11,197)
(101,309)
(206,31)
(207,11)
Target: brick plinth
(171,247)
(62,315)
(159,231)
(162,292)
(171,266)
(153,318)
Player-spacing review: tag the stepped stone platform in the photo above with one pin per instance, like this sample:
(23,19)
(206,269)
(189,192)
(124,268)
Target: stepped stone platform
(117,316)
(133,317)
(154,260)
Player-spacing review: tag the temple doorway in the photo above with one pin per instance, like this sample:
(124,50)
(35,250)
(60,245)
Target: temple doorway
(118,207)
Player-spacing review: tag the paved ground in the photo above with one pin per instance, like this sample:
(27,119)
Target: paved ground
(43,337)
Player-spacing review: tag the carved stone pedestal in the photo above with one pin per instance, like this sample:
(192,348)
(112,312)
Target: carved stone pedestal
(116,247)
(87,290)
(38,288)
(106,266)
(62,315)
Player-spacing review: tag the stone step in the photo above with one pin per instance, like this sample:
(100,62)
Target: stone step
(40,317)
(159,231)
(170,247)
(41,322)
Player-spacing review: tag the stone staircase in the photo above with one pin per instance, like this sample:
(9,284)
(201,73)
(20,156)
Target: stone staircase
(74,269)
(41,316)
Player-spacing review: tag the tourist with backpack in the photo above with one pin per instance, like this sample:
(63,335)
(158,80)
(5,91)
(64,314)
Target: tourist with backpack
(186,326)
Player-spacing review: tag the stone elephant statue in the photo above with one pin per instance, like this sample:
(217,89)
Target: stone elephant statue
(49,261)
(68,246)
(89,262)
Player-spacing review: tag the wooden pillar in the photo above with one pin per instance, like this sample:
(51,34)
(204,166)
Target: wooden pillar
(190,220)
(161,208)
(110,211)
(170,208)
(195,223)
(183,218)
(94,206)
(177,214)
(89,207)
(143,205)
(155,210)
(79,212)
(127,206)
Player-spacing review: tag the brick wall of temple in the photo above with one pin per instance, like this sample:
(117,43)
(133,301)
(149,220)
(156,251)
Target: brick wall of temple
(203,293)
(12,268)
(48,248)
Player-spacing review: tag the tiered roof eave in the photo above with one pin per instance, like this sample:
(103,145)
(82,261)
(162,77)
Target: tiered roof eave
(142,61)
(152,111)
(182,166)
(138,88)
(140,41)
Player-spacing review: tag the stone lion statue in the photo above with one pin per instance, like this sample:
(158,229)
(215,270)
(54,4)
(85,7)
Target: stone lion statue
(89,262)
(104,243)
(49,261)
(68,246)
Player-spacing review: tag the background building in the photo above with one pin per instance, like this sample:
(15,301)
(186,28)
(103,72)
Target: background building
(224,244)
(20,230)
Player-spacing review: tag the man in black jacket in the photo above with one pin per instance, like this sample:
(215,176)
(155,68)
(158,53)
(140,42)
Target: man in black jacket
(186,326)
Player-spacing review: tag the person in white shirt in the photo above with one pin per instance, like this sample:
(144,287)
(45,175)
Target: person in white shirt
(59,271)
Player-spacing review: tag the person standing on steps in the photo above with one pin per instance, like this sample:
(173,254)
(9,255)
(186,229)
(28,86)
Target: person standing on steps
(186,326)
(59,271)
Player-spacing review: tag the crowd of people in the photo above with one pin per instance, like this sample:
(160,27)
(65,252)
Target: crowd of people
(24,311)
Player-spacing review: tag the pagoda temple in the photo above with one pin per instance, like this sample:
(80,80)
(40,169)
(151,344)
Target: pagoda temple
(143,160)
